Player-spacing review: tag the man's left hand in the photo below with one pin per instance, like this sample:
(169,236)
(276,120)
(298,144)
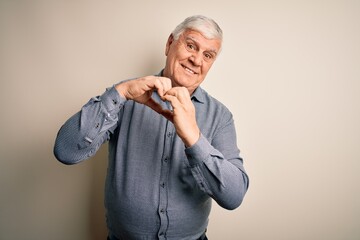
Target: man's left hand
(184,115)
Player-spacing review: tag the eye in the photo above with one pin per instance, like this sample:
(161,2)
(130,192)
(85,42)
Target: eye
(208,55)
(190,46)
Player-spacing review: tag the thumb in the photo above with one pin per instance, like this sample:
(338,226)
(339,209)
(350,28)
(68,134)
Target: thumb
(151,103)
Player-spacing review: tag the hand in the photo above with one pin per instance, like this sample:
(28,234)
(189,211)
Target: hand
(140,90)
(183,115)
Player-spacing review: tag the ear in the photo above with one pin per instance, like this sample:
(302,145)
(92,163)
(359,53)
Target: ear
(168,43)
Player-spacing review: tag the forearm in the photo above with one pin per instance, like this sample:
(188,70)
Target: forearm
(82,135)
(223,178)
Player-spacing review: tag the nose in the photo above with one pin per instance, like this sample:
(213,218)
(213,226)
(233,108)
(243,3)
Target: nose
(196,59)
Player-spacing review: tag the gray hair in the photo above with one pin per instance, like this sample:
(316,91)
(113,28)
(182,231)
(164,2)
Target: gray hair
(206,26)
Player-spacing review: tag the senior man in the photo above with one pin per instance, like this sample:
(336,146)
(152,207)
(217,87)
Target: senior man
(172,147)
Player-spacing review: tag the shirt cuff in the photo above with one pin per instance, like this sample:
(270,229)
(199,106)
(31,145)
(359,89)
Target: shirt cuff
(198,152)
(112,100)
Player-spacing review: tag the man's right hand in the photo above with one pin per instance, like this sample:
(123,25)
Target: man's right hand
(140,90)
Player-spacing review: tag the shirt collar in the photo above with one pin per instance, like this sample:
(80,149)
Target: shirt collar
(198,95)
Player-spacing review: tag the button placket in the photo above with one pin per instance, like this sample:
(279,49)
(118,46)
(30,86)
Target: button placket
(163,194)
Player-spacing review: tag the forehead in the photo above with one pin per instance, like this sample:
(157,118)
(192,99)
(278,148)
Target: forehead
(203,42)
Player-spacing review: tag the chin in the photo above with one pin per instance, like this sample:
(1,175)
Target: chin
(186,80)
(182,83)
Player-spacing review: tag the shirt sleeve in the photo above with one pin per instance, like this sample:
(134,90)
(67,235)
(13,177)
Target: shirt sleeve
(218,168)
(82,135)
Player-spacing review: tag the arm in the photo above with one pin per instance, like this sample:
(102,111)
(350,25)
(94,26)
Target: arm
(216,166)
(82,135)
(218,169)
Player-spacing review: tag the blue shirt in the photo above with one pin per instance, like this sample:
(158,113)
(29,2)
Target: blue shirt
(156,188)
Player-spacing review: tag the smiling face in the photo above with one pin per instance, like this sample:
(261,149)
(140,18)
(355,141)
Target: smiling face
(189,58)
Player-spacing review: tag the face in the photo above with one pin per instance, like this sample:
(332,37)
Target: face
(189,59)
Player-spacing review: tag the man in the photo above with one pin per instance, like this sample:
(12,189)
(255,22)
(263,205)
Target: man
(172,147)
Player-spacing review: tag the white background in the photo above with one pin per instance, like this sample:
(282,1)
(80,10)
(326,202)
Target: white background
(289,71)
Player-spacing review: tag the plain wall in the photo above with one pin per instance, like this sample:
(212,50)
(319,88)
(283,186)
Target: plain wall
(289,71)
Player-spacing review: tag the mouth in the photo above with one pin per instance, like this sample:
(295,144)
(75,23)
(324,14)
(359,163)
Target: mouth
(189,70)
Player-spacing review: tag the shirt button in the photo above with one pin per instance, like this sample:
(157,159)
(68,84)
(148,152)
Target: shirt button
(162,211)
(166,159)
(169,134)
(91,152)
(162,185)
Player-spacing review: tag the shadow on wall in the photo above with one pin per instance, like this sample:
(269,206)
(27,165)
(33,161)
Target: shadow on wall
(97,220)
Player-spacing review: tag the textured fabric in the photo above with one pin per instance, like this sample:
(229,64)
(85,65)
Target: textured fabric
(203,237)
(155,187)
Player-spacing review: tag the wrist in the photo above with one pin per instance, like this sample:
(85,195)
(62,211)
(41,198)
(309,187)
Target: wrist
(120,89)
(190,140)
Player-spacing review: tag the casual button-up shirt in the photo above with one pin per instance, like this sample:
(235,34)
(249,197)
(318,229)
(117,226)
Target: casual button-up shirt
(156,188)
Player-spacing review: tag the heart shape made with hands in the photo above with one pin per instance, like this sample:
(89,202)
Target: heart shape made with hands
(159,109)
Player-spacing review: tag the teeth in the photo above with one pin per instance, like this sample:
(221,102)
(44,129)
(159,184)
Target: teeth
(189,70)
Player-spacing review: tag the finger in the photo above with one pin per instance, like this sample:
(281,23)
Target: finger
(173,100)
(166,82)
(165,85)
(181,93)
(168,115)
(154,105)
(158,108)
(158,84)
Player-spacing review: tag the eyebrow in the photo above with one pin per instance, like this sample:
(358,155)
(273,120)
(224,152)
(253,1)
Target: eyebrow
(194,40)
